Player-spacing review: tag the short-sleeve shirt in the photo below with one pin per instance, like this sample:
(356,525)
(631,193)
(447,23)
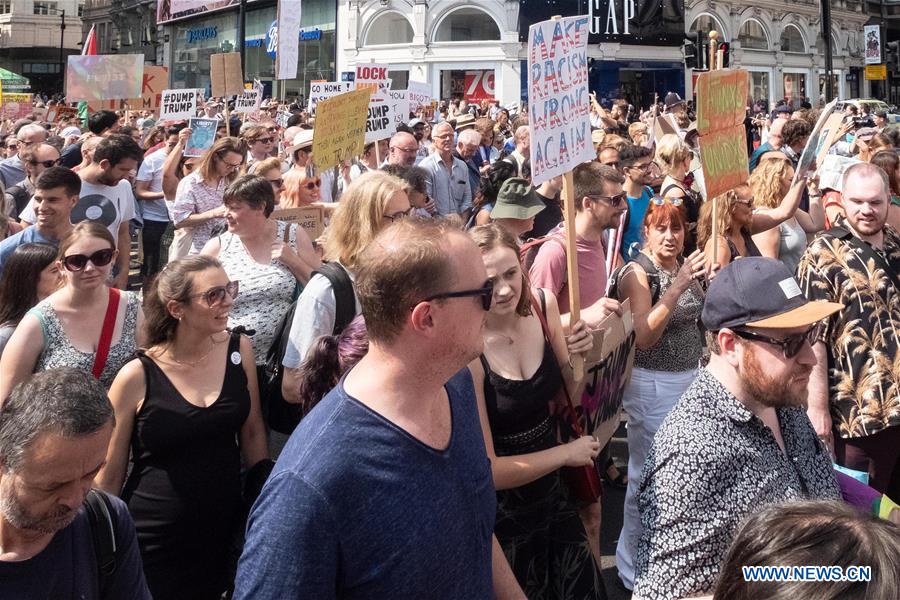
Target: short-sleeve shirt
(26,236)
(67,568)
(358,508)
(862,339)
(549,270)
(194,196)
(449,189)
(151,170)
(711,464)
(12,171)
(633,238)
(109,205)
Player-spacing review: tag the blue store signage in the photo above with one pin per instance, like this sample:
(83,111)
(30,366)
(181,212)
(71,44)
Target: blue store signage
(271,39)
(202,33)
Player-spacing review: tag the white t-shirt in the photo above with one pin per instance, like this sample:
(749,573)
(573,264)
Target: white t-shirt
(151,170)
(107,204)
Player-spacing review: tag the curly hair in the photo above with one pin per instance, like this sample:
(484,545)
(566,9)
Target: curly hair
(767,182)
(725,204)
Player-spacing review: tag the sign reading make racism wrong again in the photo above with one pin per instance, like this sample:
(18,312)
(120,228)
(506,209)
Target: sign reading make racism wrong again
(635,22)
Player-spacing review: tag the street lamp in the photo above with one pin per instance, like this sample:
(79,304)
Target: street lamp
(62,36)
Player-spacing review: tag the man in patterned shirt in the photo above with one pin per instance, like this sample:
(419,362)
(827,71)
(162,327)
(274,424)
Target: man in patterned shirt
(739,438)
(854,397)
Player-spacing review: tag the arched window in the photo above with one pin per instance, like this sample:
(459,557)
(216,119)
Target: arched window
(753,36)
(389,28)
(468,24)
(706,23)
(792,40)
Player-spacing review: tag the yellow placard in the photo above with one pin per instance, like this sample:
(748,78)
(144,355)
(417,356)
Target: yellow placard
(310,218)
(876,72)
(340,130)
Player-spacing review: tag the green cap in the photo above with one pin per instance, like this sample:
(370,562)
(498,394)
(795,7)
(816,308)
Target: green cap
(516,200)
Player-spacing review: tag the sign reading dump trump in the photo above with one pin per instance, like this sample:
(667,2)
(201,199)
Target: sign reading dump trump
(558,102)
(178,104)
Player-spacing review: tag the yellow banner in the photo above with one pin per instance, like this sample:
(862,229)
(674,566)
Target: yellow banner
(876,72)
(340,127)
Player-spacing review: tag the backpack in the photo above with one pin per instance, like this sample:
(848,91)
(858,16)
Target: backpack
(529,250)
(103,531)
(284,416)
(652,277)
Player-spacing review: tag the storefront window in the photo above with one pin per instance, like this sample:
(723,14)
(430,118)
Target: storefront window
(399,79)
(795,87)
(759,87)
(753,36)
(389,28)
(467,25)
(472,86)
(792,40)
(194,42)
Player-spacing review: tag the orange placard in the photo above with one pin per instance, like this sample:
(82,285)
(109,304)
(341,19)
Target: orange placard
(721,99)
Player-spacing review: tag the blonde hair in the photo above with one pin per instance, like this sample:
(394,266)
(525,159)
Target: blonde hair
(293,181)
(360,216)
(672,150)
(723,215)
(766,181)
(638,129)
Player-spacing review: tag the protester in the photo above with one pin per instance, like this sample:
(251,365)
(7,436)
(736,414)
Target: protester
(63,329)
(770,184)
(36,159)
(516,207)
(739,438)
(259,144)
(370,204)
(198,201)
(403,149)
(55,196)
(522,141)
(675,158)
(31,274)
(487,154)
(54,430)
(188,413)
(448,180)
(416,188)
(825,534)
(489,188)
(88,147)
(270,169)
(794,136)
(853,401)
(774,141)
(635,161)
(329,358)
(517,378)
(889,162)
(397,438)
(175,167)
(101,124)
(548,193)
(300,189)
(467,145)
(270,258)
(148,188)
(12,170)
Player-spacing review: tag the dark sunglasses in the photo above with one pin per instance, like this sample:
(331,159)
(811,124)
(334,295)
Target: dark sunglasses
(77,262)
(486,293)
(314,183)
(12,146)
(216,295)
(47,163)
(613,201)
(267,140)
(791,345)
(277,182)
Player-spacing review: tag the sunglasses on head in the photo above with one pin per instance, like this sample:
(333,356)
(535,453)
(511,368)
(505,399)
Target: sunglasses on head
(486,293)
(313,183)
(790,345)
(47,163)
(216,295)
(673,201)
(77,262)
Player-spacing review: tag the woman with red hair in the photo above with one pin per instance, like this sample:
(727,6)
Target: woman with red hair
(666,300)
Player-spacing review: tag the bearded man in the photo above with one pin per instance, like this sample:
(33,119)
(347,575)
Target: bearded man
(739,438)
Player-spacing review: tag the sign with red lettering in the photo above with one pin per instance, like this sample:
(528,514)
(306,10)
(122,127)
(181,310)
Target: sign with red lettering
(479,86)
(373,76)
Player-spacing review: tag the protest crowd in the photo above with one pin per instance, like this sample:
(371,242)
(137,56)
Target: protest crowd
(184,302)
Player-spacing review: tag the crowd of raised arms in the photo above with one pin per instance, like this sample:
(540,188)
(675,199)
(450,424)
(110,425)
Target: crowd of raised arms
(203,397)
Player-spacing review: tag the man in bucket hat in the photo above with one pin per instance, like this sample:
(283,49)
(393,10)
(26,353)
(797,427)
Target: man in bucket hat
(739,438)
(516,206)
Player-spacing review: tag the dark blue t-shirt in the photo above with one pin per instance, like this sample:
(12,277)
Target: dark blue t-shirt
(358,508)
(67,568)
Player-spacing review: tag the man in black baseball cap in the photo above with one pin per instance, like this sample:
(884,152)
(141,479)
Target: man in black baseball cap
(739,438)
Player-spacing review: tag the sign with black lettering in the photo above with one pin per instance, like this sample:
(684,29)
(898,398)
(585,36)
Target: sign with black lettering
(380,123)
(178,105)
(248,101)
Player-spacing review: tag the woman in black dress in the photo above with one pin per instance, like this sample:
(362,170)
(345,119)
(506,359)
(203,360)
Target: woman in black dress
(517,379)
(188,410)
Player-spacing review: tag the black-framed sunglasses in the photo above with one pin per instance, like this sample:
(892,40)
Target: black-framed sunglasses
(486,293)
(613,201)
(47,163)
(400,214)
(77,262)
(266,140)
(216,295)
(277,182)
(791,345)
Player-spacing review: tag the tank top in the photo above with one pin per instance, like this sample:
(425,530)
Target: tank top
(749,244)
(266,291)
(792,244)
(58,351)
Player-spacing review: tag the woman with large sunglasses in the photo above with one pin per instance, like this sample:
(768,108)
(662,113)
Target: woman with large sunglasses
(517,379)
(187,411)
(300,189)
(63,330)
(198,201)
(666,300)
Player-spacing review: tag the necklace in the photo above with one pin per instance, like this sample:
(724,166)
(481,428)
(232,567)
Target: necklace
(508,339)
(194,363)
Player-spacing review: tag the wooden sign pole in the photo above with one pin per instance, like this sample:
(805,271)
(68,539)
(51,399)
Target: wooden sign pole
(568,198)
(377,155)
(227,119)
(714,65)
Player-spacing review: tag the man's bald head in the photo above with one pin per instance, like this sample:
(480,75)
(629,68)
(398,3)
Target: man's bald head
(403,149)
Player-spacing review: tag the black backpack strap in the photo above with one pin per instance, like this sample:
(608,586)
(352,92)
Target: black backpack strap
(103,531)
(652,275)
(344,297)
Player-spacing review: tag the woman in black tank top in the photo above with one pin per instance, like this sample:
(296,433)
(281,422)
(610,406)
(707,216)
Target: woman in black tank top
(187,410)
(517,380)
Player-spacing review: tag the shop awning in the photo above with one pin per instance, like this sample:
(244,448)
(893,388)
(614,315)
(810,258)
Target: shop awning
(13,82)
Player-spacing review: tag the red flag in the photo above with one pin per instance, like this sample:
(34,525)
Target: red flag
(90,43)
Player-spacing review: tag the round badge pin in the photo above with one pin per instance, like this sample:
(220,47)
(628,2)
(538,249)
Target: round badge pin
(236,358)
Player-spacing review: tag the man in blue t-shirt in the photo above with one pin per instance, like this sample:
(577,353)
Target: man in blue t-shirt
(635,161)
(55,195)
(54,432)
(384,490)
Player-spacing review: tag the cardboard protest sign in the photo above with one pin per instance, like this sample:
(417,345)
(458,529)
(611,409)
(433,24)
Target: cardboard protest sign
(559,105)
(829,136)
(153,84)
(177,105)
(340,128)
(831,173)
(814,144)
(374,76)
(663,125)
(16,106)
(226,74)
(104,77)
(248,101)
(287,39)
(721,109)
(322,90)
(310,218)
(419,95)
(61,113)
(400,107)
(380,123)
(203,135)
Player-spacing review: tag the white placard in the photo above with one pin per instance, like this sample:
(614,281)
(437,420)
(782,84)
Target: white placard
(400,107)
(418,94)
(375,76)
(322,90)
(177,105)
(248,102)
(288,39)
(380,123)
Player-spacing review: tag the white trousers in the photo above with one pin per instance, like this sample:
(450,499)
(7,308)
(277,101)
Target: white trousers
(648,399)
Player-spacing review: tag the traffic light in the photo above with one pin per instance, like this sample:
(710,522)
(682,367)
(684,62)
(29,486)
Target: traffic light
(892,57)
(694,51)
(725,48)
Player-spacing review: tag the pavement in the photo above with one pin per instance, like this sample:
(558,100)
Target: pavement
(611,525)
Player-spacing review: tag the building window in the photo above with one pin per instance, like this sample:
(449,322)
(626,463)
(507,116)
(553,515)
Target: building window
(467,25)
(753,36)
(389,28)
(5,7)
(759,86)
(81,10)
(704,24)
(792,40)
(43,7)
(794,87)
